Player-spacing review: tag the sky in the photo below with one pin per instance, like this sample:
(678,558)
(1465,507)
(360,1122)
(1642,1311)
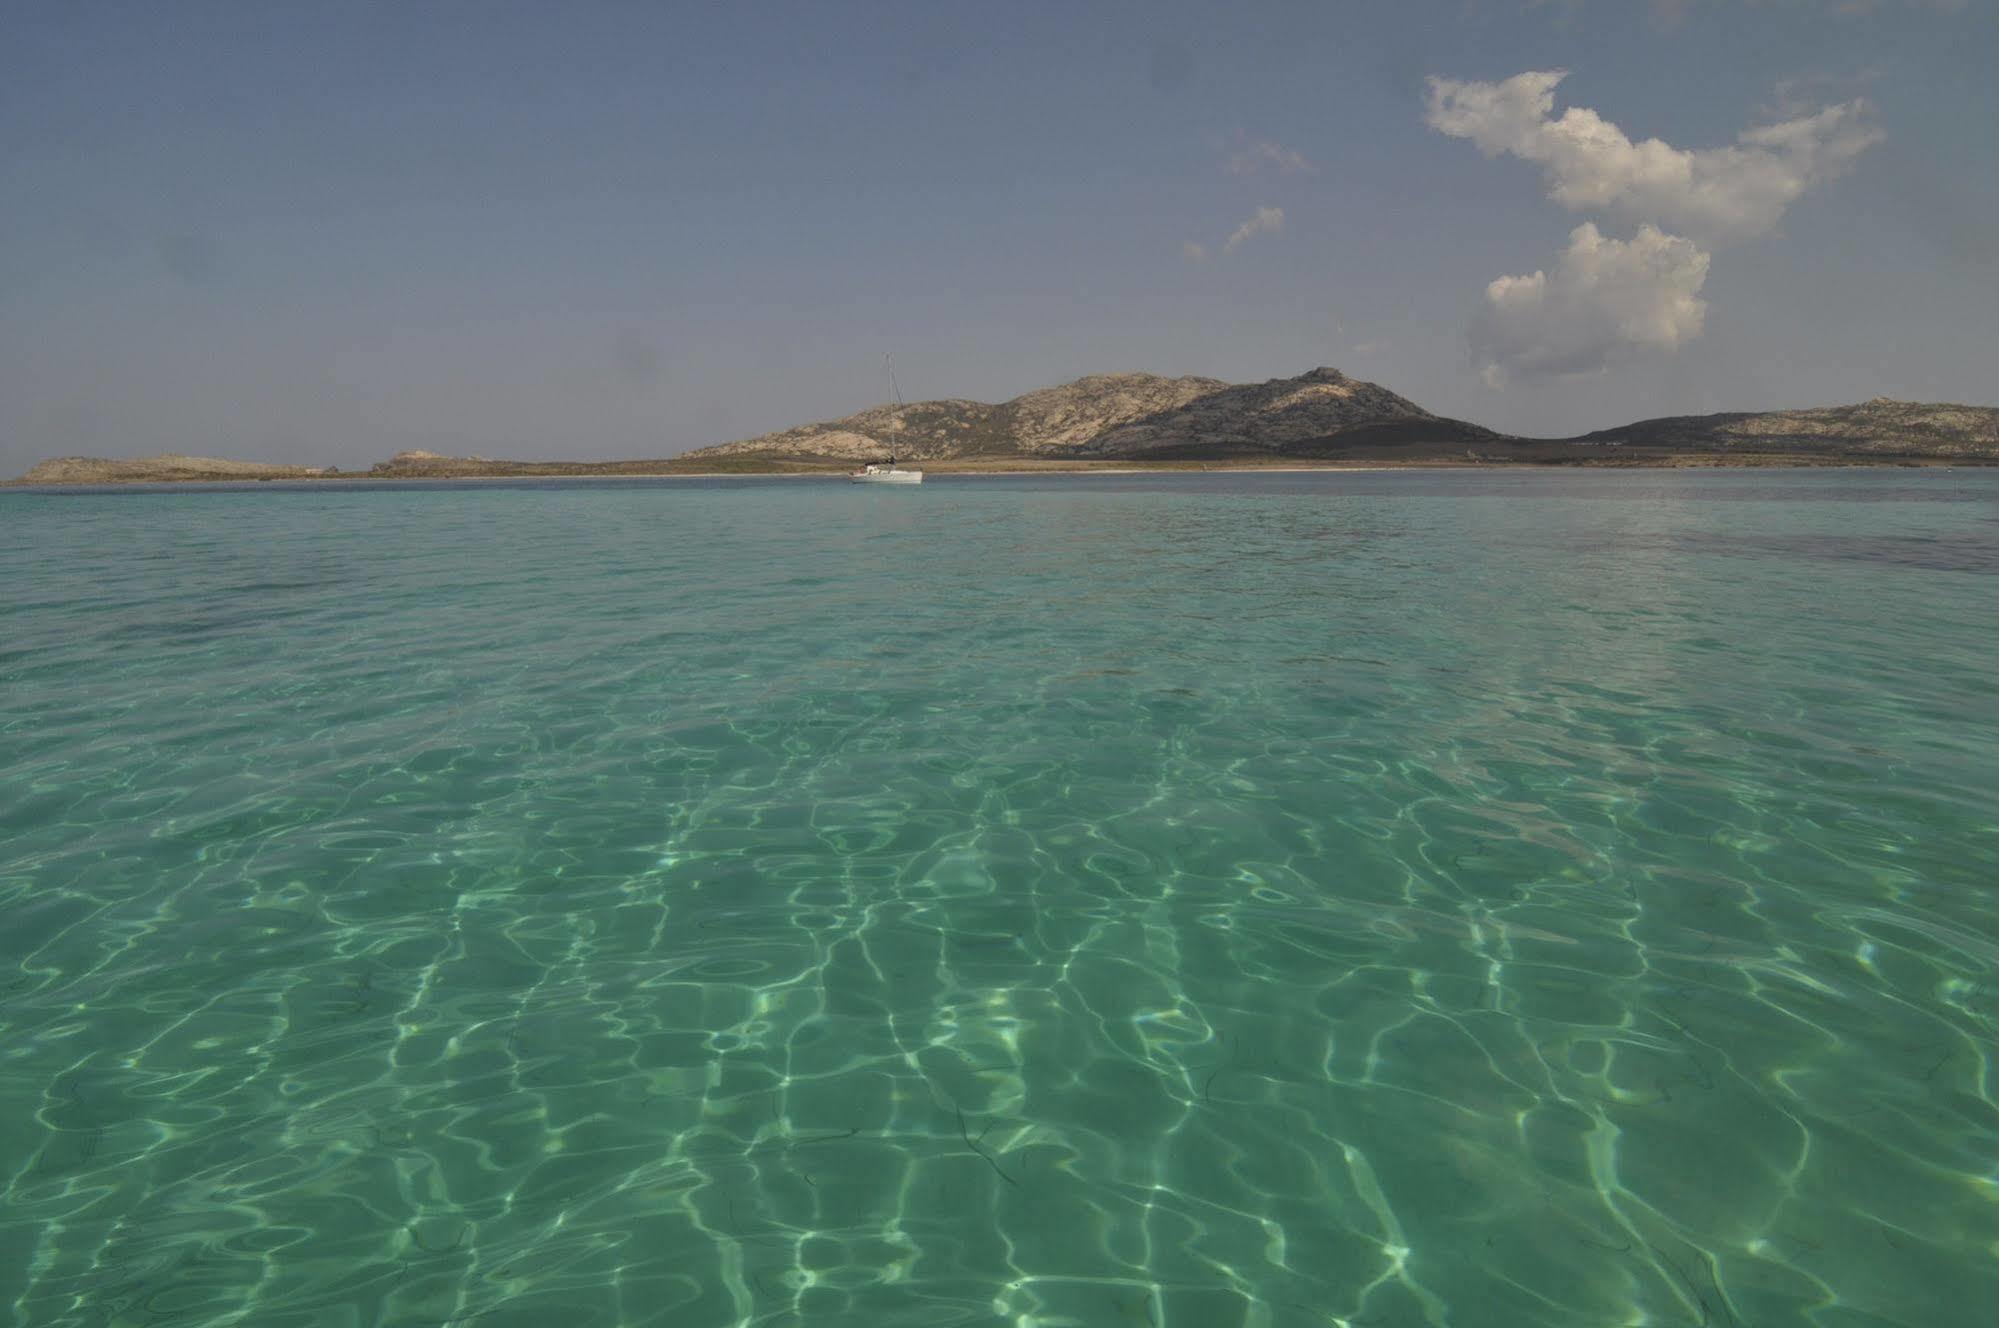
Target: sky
(324,234)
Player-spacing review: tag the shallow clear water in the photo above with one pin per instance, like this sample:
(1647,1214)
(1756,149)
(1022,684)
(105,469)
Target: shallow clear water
(1193,902)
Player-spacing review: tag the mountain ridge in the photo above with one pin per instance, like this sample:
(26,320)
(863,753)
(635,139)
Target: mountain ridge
(1321,415)
(1879,426)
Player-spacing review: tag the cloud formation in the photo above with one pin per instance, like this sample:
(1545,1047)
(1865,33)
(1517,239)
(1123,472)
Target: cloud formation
(1193,253)
(1262,153)
(1606,300)
(1713,194)
(1264,219)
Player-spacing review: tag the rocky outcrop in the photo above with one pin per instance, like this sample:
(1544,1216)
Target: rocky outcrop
(920,430)
(1072,419)
(1881,427)
(417,463)
(164,468)
(1110,416)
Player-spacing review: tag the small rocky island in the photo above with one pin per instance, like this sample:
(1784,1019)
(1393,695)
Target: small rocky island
(1138,420)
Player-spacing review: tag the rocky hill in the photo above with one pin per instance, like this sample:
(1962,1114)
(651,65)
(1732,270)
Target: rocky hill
(1072,419)
(1879,427)
(1112,416)
(166,467)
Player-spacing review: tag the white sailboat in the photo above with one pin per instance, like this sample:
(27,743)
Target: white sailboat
(876,473)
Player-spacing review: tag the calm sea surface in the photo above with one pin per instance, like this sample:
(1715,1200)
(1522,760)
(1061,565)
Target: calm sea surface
(1182,902)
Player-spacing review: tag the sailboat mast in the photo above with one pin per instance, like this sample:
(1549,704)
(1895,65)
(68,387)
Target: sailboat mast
(894,396)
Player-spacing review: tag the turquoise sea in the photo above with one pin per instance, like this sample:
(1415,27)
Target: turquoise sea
(1259,901)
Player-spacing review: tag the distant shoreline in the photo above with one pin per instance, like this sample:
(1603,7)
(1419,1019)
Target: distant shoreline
(1137,423)
(1016,469)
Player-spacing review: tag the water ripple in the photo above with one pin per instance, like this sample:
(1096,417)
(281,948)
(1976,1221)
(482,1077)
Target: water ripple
(1190,902)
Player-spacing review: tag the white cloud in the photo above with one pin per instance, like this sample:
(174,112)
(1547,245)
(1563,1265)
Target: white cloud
(1193,253)
(1715,194)
(1798,95)
(1287,161)
(1606,301)
(1265,219)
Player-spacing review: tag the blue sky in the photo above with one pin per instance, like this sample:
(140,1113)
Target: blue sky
(326,233)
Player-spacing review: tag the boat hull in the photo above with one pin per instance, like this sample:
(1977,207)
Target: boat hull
(874,476)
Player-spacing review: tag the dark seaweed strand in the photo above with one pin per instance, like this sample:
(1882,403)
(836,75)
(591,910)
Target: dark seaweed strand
(1227,1062)
(972,1144)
